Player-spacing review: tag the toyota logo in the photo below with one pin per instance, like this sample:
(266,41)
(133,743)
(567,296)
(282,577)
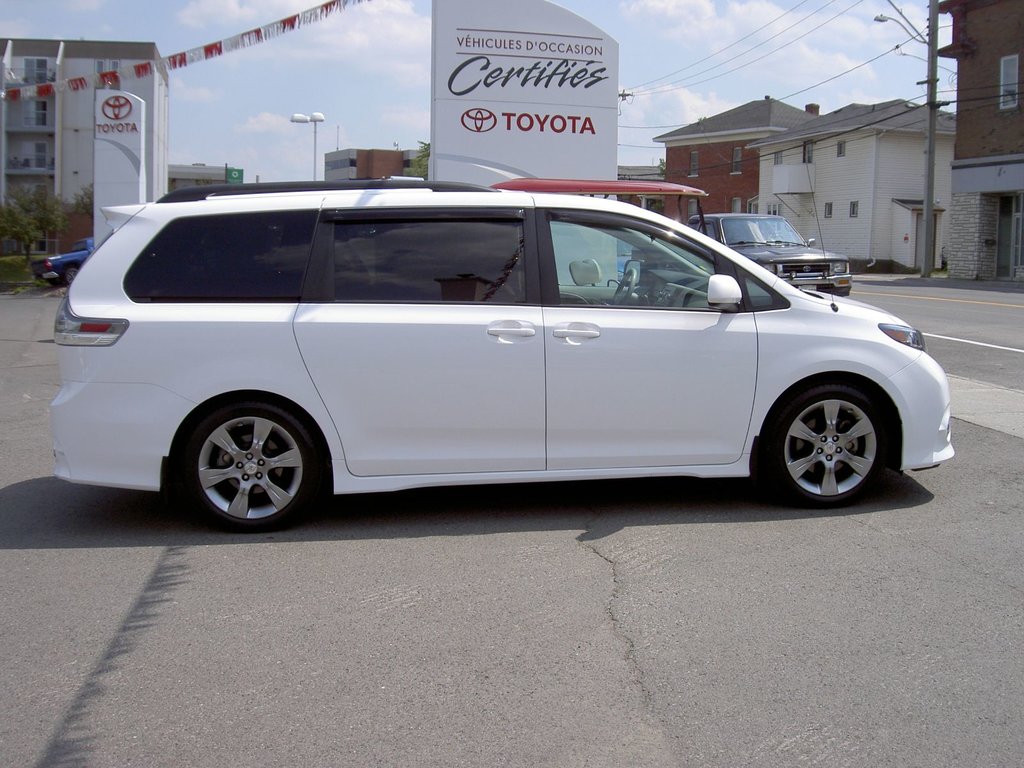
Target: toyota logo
(479,120)
(116,108)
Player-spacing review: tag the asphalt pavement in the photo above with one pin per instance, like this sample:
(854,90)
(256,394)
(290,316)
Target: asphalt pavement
(607,624)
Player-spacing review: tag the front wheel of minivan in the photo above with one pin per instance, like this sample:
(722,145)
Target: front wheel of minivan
(825,447)
(250,466)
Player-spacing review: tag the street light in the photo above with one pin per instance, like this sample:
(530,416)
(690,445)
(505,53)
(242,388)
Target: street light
(932,80)
(912,32)
(314,118)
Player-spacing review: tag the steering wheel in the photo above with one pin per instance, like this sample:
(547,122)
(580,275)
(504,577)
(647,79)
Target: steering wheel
(626,285)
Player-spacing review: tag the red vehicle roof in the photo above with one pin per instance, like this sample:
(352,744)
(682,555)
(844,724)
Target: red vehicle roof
(594,187)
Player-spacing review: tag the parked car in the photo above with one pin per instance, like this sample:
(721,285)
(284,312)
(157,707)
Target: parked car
(63,268)
(244,347)
(773,243)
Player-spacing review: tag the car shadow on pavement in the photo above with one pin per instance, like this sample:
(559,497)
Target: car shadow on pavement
(49,513)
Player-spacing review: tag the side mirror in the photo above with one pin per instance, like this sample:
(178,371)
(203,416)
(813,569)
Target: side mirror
(811,241)
(724,292)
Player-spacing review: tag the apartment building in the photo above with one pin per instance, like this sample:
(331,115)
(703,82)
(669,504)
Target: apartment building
(48,110)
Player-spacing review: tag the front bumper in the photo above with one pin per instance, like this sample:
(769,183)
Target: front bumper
(827,283)
(925,413)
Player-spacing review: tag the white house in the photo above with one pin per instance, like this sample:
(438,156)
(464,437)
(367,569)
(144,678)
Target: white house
(854,180)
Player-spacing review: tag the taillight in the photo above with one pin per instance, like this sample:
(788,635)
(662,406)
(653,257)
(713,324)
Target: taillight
(71,330)
(47,264)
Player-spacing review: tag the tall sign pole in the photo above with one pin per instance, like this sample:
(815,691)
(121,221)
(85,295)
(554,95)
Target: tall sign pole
(119,154)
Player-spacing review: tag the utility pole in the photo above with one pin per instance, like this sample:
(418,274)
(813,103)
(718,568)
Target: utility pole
(928,259)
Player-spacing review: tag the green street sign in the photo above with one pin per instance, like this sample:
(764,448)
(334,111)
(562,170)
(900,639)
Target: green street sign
(233,175)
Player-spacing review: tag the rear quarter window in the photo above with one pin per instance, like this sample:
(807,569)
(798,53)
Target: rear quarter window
(230,257)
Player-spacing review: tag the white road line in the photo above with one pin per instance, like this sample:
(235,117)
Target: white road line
(975,343)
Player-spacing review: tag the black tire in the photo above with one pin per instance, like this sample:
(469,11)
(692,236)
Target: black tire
(250,466)
(70,274)
(824,448)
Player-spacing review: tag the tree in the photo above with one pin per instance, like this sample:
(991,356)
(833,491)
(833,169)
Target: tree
(16,225)
(420,166)
(29,215)
(82,202)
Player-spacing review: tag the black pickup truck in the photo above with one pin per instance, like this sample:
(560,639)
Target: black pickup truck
(773,243)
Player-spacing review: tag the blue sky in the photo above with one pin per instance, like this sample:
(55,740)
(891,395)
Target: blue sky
(367,68)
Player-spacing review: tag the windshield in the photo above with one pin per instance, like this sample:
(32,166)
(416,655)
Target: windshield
(760,231)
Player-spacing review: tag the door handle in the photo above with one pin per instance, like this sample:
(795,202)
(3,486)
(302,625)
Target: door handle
(575,333)
(506,330)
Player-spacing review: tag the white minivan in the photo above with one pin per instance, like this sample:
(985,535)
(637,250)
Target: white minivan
(249,347)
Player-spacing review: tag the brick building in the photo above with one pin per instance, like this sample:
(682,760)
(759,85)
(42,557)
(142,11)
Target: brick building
(367,163)
(986,237)
(712,153)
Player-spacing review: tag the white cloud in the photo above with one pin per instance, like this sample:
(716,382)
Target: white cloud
(382,37)
(416,120)
(204,13)
(185,92)
(14,27)
(266,122)
(682,10)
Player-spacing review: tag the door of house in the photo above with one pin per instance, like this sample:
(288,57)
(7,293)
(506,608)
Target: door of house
(1010,239)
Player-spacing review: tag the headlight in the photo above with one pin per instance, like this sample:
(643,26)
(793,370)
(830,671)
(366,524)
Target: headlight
(904,334)
(840,268)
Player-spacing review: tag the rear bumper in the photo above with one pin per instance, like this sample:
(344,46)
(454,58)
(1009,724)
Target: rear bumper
(114,434)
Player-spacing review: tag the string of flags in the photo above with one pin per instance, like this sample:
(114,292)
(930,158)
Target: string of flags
(115,77)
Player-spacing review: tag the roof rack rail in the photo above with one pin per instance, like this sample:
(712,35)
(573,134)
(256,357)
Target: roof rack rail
(186,194)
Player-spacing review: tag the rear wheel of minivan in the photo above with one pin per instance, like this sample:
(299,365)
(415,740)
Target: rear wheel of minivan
(250,466)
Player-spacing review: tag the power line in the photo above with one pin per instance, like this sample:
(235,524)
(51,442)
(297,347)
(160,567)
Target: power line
(796,93)
(737,42)
(841,74)
(684,82)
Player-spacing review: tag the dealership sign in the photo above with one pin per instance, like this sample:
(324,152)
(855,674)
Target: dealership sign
(521,89)
(118,153)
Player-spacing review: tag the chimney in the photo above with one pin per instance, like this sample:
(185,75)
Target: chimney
(812,109)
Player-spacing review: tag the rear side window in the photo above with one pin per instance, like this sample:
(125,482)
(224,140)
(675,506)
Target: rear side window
(443,260)
(231,257)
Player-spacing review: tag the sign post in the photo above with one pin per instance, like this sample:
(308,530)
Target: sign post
(119,151)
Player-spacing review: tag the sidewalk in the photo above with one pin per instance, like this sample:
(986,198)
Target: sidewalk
(939,281)
(988,405)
